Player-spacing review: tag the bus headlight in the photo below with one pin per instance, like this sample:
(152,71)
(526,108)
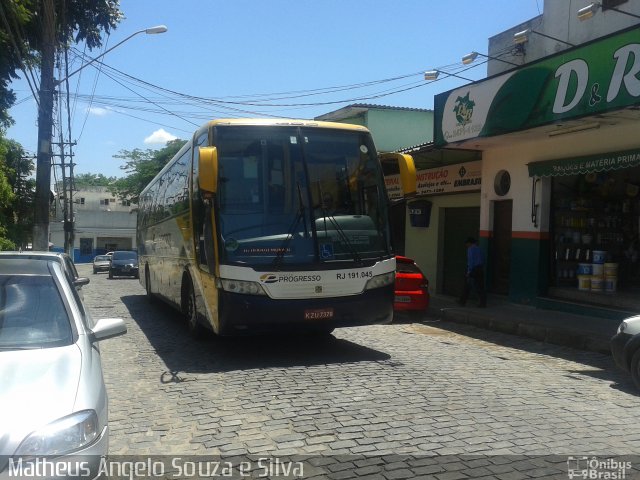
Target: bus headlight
(242,286)
(381,281)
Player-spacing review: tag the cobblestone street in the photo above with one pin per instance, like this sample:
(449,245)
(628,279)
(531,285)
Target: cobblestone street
(410,388)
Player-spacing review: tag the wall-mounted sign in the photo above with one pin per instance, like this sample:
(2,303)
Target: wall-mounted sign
(587,164)
(461,177)
(596,77)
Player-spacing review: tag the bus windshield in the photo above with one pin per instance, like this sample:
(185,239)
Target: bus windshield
(291,196)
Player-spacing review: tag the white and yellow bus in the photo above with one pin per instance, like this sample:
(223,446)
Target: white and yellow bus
(258,225)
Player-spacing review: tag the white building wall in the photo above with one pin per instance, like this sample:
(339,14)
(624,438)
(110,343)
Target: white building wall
(99,216)
(560,21)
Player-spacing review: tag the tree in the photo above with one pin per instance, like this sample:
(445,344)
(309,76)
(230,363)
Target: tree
(40,29)
(84,180)
(16,195)
(142,166)
(22,36)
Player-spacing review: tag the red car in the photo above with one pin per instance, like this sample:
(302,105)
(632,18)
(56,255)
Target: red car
(412,287)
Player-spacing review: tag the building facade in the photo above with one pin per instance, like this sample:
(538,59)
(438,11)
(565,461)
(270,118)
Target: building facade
(102,223)
(560,202)
(392,128)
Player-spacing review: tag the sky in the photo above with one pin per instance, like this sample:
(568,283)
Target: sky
(256,58)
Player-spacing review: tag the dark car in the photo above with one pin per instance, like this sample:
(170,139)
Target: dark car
(412,287)
(124,263)
(625,347)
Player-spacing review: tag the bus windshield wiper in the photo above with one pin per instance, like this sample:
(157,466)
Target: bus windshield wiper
(301,215)
(336,226)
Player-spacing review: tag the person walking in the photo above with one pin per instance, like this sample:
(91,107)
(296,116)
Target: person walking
(474,276)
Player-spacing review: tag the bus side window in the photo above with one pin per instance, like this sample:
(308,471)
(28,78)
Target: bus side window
(198,208)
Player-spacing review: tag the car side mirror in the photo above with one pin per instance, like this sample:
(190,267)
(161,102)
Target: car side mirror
(108,328)
(81,281)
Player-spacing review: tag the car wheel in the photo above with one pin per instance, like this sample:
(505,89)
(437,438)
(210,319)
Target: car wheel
(110,274)
(191,312)
(635,368)
(95,271)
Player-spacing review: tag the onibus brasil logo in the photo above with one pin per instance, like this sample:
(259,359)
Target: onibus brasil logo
(464,109)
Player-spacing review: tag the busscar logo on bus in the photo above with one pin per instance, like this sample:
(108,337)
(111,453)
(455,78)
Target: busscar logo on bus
(291,278)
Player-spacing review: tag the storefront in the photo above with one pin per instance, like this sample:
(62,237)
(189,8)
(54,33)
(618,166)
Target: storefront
(595,227)
(560,198)
(443,213)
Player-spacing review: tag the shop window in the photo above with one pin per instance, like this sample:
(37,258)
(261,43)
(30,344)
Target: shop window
(86,246)
(596,231)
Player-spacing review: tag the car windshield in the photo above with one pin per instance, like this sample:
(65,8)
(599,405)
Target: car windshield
(102,258)
(125,256)
(300,195)
(32,313)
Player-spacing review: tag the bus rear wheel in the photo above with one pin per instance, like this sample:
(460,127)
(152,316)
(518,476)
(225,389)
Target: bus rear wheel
(195,328)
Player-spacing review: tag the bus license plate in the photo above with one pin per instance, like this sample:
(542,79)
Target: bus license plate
(318,314)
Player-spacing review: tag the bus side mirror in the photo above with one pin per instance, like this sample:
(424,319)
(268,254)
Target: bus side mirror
(407,169)
(208,169)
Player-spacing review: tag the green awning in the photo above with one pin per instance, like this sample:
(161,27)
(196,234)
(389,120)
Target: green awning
(588,164)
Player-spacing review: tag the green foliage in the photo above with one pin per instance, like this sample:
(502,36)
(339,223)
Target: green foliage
(17,193)
(6,244)
(84,180)
(142,166)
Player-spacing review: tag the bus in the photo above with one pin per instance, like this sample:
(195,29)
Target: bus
(258,225)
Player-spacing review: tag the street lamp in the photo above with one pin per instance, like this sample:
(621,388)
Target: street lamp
(148,31)
(470,58)
(434,74)
(590,10)
(523,37)
(45,123)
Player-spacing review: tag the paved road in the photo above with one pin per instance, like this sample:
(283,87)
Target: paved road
(397,394)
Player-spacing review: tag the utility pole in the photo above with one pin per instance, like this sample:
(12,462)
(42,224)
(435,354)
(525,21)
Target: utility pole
(67,193)
(45,127)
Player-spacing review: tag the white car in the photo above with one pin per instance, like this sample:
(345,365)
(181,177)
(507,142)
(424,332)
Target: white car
(53,401)
(625,347)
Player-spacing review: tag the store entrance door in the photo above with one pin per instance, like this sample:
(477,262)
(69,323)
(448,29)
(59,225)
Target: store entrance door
(397,217)
(459,224)
(501,246)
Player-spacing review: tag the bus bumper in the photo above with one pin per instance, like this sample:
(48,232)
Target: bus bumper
(255,313)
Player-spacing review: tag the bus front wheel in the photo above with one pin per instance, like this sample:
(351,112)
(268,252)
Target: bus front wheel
(191,312)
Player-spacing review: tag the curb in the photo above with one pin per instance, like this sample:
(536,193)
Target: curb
(558,336)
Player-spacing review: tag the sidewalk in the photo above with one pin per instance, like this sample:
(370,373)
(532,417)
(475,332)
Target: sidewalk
(577,331)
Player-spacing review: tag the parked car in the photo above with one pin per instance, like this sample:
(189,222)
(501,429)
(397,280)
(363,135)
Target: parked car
(124,263)
(625,347)
(63,259)
(412,287)
(53,397)
(101,263)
